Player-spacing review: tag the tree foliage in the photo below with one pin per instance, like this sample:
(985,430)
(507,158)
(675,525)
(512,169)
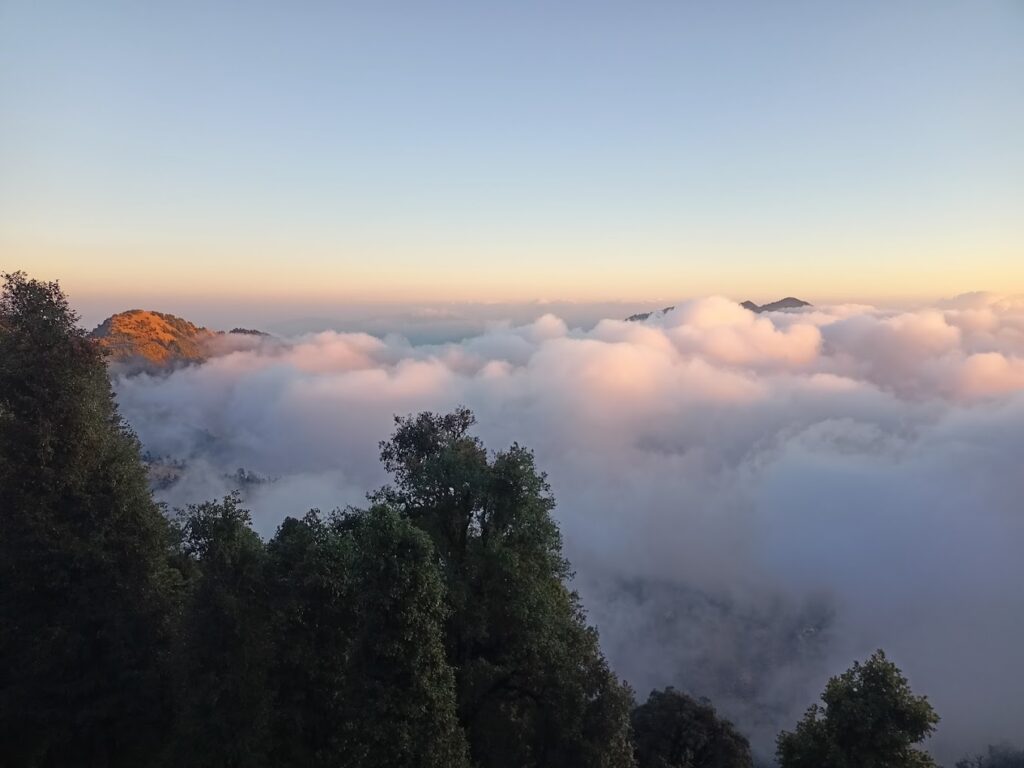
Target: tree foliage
(402,697)
(310,588)
(672,730)
(88,599)
(870,719)
(533,688)
(224,698)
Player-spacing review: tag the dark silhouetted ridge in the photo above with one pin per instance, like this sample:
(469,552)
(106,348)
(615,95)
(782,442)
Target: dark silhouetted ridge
(790,302)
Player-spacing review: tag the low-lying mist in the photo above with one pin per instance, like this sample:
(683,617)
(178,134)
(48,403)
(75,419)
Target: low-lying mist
(749,501)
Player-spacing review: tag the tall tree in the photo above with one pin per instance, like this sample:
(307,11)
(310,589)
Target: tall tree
(87,598)
(533,687)
(311,592)
(673,730)
(225,701)
(401,696)
(870,719)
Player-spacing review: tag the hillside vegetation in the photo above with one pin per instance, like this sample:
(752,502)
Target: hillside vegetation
(152,340)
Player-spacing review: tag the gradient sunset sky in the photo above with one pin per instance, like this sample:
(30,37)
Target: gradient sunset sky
(316,152)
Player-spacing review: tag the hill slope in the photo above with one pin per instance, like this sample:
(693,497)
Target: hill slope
(154,341)
(790,302)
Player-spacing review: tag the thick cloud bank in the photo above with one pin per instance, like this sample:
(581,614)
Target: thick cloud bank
(750,501)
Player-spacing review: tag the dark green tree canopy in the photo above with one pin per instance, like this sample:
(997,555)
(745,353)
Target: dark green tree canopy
(532,686)
(88,599)
(869,719)
(311,592)
(673,730)
(401,709)
(224,698)
(323,647)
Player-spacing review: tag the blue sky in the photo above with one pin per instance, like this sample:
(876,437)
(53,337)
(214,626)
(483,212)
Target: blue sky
(292,152)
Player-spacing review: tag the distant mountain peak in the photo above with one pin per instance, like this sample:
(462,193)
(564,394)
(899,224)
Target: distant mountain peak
(143,340)
(248,332)
(641,316)
(790,302)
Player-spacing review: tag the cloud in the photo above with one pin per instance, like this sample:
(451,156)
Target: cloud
(725,332)
(750,501)
(989,373)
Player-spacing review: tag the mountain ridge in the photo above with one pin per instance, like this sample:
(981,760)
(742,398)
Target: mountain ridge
(142,340)
(789,302)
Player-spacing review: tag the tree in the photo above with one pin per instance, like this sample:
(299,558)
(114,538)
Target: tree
(87,595)
(533,688)
(672,730)
(226,646)
(870,719)
(401,698)
(311,592)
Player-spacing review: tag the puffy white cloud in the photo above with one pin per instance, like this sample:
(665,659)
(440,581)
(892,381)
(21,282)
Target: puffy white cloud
(725,332)
(750,501)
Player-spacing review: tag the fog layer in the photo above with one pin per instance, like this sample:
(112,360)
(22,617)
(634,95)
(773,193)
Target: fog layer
(750,501)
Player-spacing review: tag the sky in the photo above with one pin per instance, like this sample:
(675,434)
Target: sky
(292,157)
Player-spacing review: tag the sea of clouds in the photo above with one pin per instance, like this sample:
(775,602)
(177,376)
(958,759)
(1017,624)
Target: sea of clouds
(750,501)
